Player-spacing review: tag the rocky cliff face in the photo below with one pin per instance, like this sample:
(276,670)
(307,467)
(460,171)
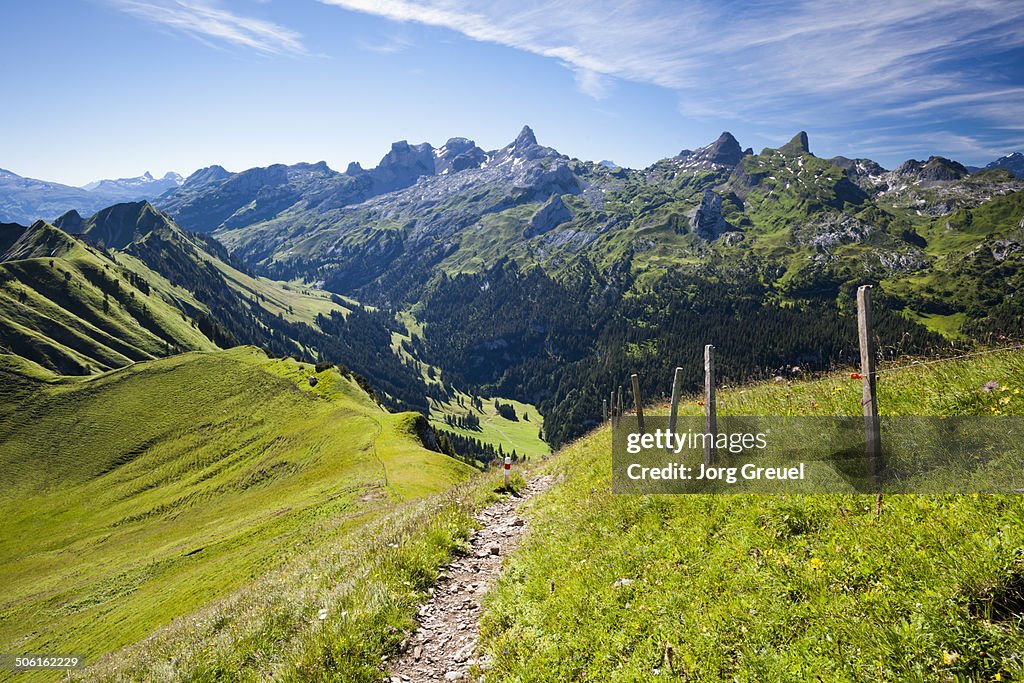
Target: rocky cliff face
(402,166)
(936,169)
(798,145)
(724,152)
(707,219)
(548,217)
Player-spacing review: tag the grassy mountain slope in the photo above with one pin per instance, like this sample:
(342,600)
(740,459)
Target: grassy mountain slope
(74,309)
(138,229)
(130,285)
(772,588)
(142,494)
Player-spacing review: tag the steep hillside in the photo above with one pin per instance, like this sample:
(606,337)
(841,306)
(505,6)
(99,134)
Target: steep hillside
(75,309)
(130,285)
(772,588)
(143,494)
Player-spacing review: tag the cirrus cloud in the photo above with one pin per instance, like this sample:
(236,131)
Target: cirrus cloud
(210,23)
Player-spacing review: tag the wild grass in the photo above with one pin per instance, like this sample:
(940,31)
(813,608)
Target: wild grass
(771,588)
(335,612)
(141,495)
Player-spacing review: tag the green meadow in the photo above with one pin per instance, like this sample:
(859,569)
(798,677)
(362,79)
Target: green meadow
(772,588)
(140,495)
(522,435)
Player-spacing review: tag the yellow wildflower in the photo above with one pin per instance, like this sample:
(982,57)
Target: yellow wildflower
(815,562)
(949,657)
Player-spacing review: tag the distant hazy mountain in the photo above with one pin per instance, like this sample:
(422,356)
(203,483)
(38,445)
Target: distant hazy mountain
(144,186)
(26,200)
(1014,163)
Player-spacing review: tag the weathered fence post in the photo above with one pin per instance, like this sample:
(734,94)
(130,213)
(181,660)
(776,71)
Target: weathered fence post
(611,408)
(673,410)
(639,402)
(604,410)
(869,397)
(508,470)
(619,400)
(710,410)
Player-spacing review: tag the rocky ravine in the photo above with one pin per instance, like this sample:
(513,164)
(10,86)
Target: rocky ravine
(444,646)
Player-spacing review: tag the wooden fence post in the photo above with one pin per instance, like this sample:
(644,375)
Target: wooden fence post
(604,410)
(619,400)
(639,401)
(710,409)
(869,397)
(673,411)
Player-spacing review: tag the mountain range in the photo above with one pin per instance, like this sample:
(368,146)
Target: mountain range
(25,200)
(144,186)
(524,273)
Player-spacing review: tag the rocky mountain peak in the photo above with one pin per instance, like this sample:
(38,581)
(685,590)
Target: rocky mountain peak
(726,142)
(456,155)
(207,175)
(523,148)
(404,155)
(71,222)
(403,165)
(725,152)
(798,145)
(1012,162)
(525,139)
(936,169)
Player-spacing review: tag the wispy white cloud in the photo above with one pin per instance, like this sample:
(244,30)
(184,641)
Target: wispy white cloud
(773,62)
(386,46)
(212,24)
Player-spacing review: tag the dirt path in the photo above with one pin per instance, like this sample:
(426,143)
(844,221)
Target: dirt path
(444,647)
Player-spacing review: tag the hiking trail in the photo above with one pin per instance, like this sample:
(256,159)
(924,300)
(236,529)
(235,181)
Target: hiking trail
(443,648)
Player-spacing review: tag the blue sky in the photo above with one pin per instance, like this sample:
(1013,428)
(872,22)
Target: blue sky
(112,88)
